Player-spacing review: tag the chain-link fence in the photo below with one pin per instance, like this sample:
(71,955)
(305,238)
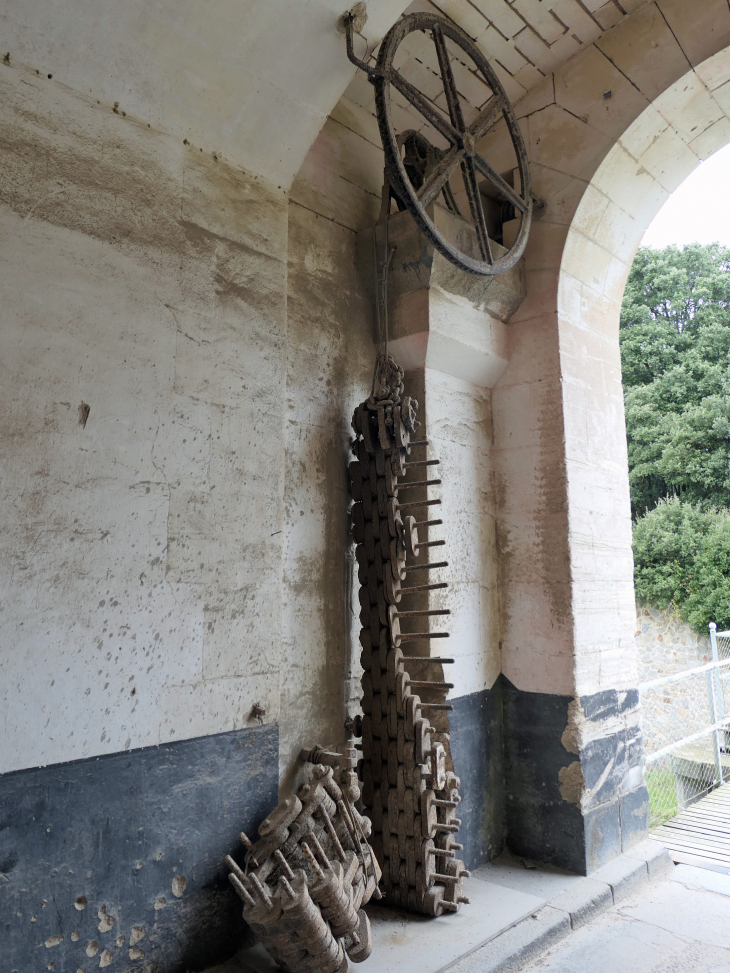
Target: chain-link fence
(686,724)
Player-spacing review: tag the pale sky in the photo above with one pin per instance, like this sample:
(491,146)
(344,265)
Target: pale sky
(697,212)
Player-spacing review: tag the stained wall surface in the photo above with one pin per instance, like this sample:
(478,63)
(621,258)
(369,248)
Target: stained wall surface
(142,549)
(179,552)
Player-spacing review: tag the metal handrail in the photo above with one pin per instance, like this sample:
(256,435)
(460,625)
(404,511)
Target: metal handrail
(678,676)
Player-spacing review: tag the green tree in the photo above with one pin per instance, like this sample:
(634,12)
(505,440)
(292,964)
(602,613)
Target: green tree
(675,356)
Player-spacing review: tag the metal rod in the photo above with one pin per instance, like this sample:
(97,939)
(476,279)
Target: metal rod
(263,891)
(429,684)
(339,851)
(444,706)
(426,567)
(418,483)
(287,887)
(243,892)
(284,864)
(424,587)
(428,658)
(312,860)
(428,523)
(432,543)
(415,636)
(424,462)
(716,712)
(418,503)
(419,442)
(425,611)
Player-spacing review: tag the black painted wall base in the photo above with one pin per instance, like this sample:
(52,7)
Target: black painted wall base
(575,808)
(521,787)
(477,751)
(117,859)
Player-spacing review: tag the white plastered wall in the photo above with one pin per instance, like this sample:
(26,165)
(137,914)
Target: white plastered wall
(140,554)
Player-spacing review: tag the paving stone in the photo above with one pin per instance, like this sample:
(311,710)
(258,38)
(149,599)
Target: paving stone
(614,944)
(690,875)
(693,914)
(659,862)
(509,952)
(584,900)
(625,875)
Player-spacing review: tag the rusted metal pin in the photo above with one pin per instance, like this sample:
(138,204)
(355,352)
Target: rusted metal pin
(429,658)
(429,684)
(339,851)
(286,867)
(242,891)
(418,503)
(424,611)
(312,860)
(423,587)
(419,483)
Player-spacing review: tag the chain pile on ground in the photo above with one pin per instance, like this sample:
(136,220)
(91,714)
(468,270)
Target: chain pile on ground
(307,877)
(409,790)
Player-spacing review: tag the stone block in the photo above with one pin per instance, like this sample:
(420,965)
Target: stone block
(441,316)
(634,813)
(659,862)
(625,876)
(584,900)
(602,835)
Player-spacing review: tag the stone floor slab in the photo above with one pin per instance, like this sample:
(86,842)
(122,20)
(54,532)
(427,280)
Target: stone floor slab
(691,913)
(408,943)
(512,872)
(702,878)
(402,941)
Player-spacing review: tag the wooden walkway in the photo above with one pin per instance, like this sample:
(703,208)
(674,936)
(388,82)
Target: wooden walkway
(700,835)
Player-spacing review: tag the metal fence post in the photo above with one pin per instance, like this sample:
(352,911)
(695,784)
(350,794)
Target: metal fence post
(717,712)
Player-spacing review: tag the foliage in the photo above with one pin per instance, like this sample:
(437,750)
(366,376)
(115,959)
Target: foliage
(675,355)
(662,787)
(682,557)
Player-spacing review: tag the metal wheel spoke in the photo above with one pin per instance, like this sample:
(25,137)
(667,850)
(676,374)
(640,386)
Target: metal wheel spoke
(447,77)
(504,187)
(439,176)
(477,210)
(429,111)
(487,117)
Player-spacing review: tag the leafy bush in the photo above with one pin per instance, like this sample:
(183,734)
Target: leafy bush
(682,558)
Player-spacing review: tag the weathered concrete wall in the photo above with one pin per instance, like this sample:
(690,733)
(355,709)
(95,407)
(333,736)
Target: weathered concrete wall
(141,552)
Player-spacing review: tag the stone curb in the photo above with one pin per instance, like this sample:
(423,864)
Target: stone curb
(512,949)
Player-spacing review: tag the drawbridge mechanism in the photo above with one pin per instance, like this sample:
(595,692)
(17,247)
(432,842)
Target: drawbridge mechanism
(409,791)
(418,180)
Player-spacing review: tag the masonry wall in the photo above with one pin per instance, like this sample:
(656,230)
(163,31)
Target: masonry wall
(142,417)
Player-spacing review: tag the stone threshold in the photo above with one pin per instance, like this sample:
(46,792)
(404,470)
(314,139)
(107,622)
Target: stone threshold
(517,910)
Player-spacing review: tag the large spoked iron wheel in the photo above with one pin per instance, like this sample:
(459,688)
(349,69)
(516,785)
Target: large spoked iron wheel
(462,143)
